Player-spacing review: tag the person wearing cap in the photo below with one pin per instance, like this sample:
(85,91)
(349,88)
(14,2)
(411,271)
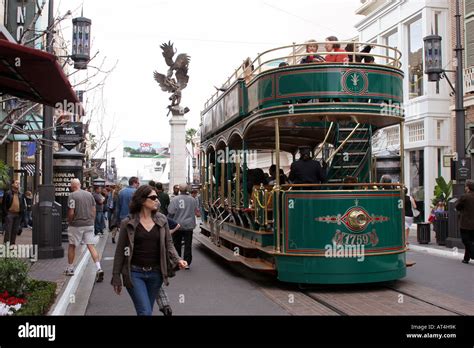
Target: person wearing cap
(307,170)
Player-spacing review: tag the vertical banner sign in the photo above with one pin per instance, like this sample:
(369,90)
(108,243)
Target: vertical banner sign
(20,16)
(66,166)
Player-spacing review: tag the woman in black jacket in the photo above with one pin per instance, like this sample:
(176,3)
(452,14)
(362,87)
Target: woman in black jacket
(145,251)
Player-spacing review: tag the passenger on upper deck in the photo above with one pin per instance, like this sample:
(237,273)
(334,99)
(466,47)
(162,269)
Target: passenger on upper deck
(306,170)
(312,47)
(359,58)
(247,68)
(335,58)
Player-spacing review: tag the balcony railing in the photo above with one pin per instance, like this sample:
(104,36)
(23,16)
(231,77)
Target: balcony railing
(469,80)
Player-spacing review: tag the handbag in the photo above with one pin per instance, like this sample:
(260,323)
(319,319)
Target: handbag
(416,212)
(171,266)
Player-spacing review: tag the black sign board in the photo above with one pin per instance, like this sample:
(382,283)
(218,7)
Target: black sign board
(69,134)
(463,169)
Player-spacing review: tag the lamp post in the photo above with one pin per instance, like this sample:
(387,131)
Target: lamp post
(47,229)
(461,164)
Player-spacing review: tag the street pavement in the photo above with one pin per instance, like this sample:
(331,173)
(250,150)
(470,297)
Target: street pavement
(210,287)
(214,287)
(442,274)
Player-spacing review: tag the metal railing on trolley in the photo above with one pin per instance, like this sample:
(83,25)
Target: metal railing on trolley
(293,54)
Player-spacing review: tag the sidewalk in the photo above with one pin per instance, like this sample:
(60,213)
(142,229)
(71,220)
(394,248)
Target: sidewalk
(433,248)
(53,270)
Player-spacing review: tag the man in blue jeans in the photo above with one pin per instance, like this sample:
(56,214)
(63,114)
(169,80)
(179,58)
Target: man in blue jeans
(99,215)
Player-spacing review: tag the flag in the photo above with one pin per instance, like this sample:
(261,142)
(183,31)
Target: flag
(31,149)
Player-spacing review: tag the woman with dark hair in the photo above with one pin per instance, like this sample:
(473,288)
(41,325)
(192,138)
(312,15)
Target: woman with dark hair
(335,47)
(145,251)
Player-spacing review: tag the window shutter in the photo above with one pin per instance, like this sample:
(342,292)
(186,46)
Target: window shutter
(469,33)
(469,7)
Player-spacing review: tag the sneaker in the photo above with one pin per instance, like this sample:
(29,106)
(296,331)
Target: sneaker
(465,261)
(99,277)
(113,240)
(69,272)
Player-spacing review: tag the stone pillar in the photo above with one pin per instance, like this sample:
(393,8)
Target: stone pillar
(178,170)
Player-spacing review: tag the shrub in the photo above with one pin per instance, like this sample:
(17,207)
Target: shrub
(13,276)
(40,297)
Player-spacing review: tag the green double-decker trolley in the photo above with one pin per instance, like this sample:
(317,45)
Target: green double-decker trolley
(349,229)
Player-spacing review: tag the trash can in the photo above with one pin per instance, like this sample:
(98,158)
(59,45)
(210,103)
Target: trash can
(423,233)
(441,227)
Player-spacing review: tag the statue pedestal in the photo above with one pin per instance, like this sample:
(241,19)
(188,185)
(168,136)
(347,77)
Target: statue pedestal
(178,151)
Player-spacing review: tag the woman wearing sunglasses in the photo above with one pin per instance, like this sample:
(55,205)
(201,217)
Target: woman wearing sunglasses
(144,251)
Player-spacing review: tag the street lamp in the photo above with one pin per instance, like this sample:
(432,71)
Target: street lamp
(433,62)
(461,166)
(435,71)
(47,233)
(81,42)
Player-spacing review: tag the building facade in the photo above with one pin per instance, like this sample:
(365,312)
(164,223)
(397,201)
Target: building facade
(467,39)
(428,122)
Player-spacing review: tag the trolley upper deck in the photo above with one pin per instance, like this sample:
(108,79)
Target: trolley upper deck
(276,84)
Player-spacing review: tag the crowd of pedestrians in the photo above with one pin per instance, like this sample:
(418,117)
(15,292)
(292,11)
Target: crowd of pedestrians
(150,229)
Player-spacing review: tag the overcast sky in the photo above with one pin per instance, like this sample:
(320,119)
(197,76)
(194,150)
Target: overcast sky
(218,35)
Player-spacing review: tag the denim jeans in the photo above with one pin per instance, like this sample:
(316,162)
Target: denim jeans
(99,222)
(178,237)
(145,289)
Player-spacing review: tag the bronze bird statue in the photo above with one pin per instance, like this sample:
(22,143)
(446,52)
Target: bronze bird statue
(180,68)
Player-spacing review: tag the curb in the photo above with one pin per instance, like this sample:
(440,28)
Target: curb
(451,254)
(63,301)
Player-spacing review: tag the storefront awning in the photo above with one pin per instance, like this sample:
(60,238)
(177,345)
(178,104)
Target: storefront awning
(33,75)
(30,168)
(32,126)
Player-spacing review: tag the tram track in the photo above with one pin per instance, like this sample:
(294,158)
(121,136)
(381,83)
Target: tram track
(432,303)
(392,298)
(337,301)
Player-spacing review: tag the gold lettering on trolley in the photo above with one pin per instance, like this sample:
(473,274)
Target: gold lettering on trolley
(356,239)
